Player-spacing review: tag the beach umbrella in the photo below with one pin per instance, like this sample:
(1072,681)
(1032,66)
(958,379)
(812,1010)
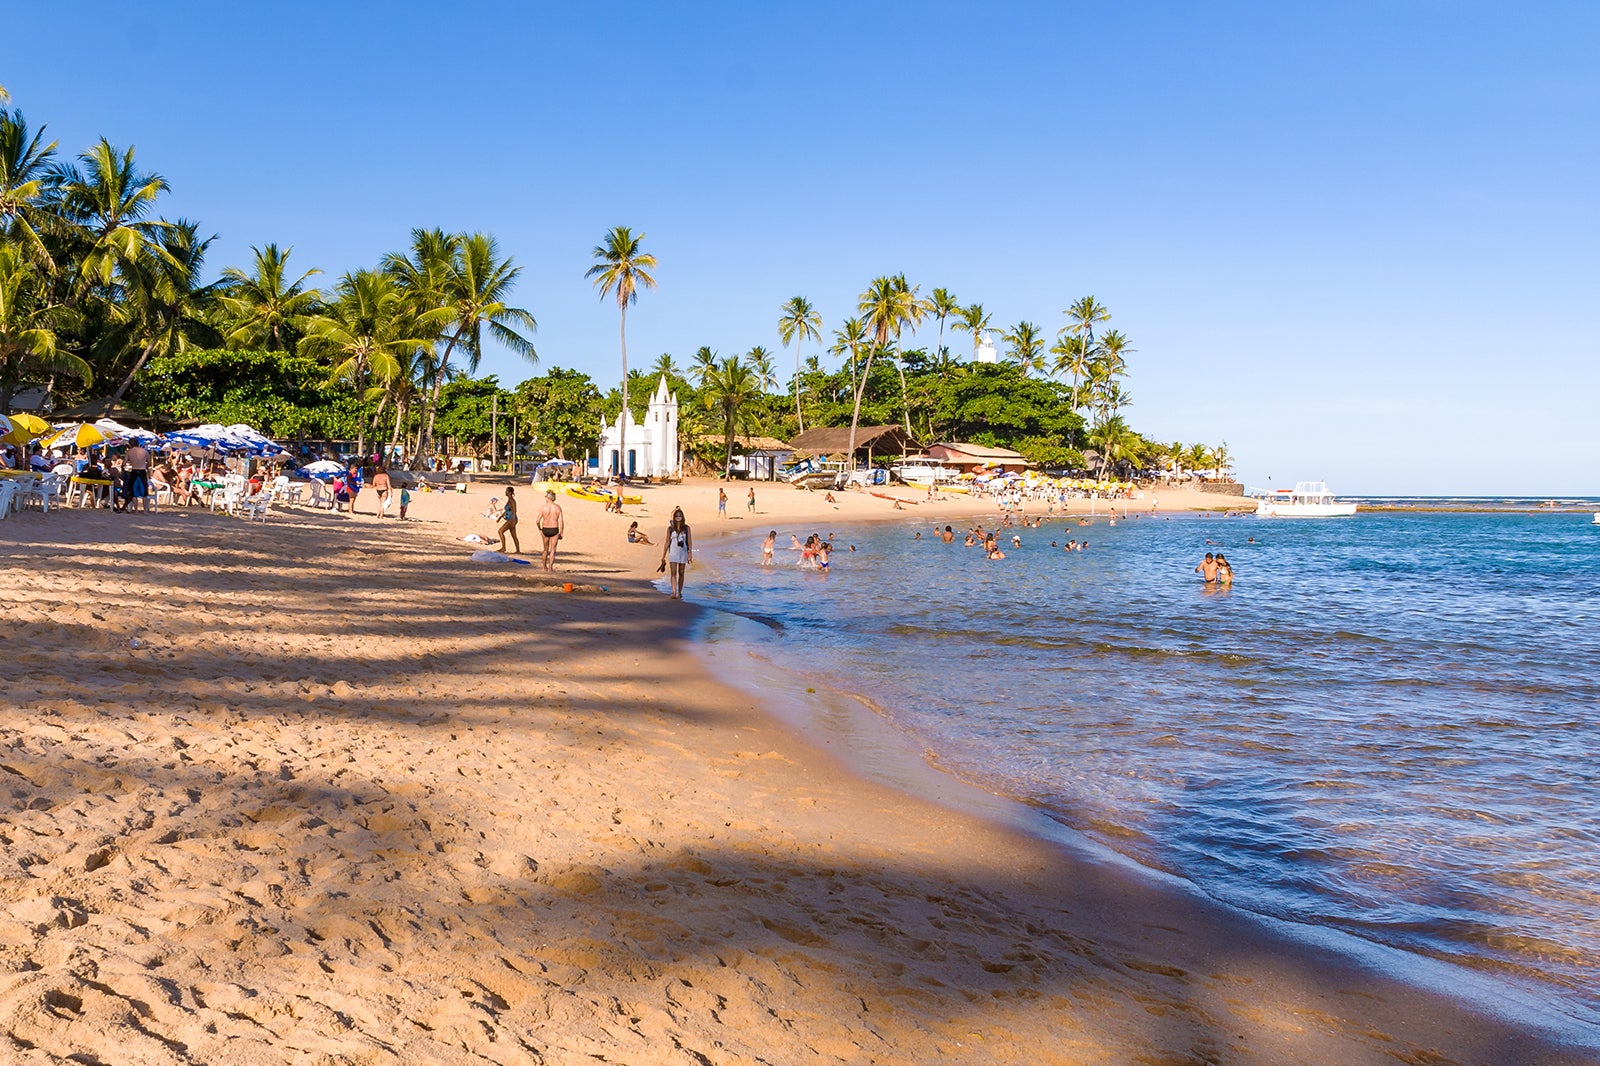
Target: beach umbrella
(260,443)
(117,429)
(79,435)
(23,428)
(209,438)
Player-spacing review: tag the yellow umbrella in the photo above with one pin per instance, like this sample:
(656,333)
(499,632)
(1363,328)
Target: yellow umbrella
(21,428)
(78,435)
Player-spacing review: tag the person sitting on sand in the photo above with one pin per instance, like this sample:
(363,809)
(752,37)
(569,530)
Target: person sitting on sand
(829,498)
(637,535)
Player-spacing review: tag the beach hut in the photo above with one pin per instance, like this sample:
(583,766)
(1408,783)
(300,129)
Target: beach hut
(972,458)
(870,441)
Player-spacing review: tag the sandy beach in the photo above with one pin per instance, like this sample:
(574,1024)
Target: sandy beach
(323,790)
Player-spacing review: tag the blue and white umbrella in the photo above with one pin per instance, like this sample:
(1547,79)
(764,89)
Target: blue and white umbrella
(229,440)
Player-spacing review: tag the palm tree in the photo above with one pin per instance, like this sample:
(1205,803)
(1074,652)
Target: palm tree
(108,200)
(850,337)
(1083,316)
(889,305)
(798,321)
(704,361)
(732,388)
(1070,359)
(476,290)
(621,268)
(25,180)
(1116,398)
(1027,346)
(760,362)
(1114,441)
(1220,459)
(1199,457)
(367,332)
(665,365)
(942,305)
(164,297)
(855,413)
(29,327)
(264,310)
(976,321)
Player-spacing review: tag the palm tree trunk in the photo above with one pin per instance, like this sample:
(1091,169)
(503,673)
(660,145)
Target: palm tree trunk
(855,416)
(799,416)
(905,400)
(138,365)
(622,425)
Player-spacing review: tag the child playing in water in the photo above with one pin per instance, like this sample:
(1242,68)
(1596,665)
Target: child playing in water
(767,546)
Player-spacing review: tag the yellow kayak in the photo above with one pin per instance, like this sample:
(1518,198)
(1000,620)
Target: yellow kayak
(599,495)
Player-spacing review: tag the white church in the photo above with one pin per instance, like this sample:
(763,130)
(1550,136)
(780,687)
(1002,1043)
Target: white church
(652,446)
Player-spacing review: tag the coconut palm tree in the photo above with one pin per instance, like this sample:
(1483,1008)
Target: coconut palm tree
(798,321)
(30,325)
(476,290)
(1199,457)
(1114,441)
(1027,346)
(1082,317)
(107,201)
(975,320)
(26,178)
(368,333)
(164,300)
(942,305)
(621,268)
(263,309)
(889,304)
(1220,459)
(1071,358)
(701,365)
(850,337)
(759,360)
(731,391)
(665,365)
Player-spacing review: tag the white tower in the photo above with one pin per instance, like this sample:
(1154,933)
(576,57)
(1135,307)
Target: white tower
(661,430)
(986,352)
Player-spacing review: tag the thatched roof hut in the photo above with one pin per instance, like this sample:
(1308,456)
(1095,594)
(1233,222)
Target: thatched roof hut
(870,440)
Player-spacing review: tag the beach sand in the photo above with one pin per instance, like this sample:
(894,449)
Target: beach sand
(322,790)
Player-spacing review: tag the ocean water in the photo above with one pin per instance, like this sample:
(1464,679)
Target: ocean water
(1389,726)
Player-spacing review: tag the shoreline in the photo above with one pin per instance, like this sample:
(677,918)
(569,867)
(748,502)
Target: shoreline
(918,770)
(439,808)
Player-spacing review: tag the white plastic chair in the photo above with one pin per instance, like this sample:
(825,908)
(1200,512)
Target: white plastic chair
(255,507)
(47,491)
(231,496)
(8,493)
(320,495)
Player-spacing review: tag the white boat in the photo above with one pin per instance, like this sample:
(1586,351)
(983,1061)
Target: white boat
(923,470)
(1308,499)
(1597,518)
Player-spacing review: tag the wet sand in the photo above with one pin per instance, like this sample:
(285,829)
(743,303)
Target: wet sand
(322,790)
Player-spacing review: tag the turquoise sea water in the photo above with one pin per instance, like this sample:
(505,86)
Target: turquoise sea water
(1389,726)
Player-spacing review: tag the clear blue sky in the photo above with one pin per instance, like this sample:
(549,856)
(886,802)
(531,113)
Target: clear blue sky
(1355,241)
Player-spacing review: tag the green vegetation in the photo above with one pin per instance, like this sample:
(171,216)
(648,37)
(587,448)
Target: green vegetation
(103,297)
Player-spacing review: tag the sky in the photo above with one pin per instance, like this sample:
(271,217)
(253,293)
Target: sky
(1353,241)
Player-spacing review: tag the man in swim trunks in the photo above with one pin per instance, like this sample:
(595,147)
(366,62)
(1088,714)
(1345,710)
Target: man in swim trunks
(1208,568)
(137,481)
(552,523)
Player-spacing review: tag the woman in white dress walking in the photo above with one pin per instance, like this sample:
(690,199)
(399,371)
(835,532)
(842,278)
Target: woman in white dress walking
(677,551)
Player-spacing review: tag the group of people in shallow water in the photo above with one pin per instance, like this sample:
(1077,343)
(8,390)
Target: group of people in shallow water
(815,553)
(1216,569)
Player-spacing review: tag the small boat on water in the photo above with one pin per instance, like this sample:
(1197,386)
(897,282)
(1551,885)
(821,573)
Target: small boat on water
(1597,518)
(1308,499)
